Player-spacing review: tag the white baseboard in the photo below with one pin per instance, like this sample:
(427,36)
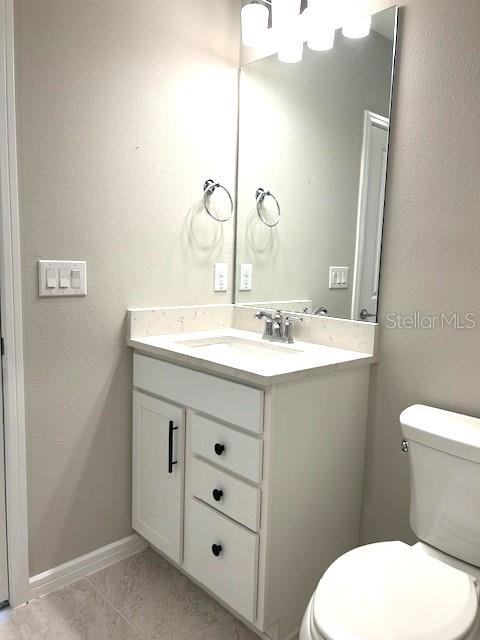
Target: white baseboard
(65,574)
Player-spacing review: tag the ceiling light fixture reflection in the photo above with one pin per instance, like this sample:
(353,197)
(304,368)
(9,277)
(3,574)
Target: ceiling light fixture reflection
(357,21)
(286,28)
(319,21)
(254,24)
(317,25)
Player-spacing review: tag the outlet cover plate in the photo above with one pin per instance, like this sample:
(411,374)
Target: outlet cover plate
(220,276)
(246,272)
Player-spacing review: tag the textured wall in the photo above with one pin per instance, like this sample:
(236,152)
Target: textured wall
(124,109)
(301,130)
(431,261)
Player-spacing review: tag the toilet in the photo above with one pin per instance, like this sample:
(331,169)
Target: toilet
(428,591)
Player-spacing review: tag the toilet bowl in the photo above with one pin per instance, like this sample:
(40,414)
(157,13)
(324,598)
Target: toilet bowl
(392,591)
(428,591)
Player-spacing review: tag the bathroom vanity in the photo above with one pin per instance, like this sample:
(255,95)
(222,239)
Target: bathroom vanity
(248,456)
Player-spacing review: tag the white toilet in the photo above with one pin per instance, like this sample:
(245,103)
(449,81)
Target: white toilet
(429,591)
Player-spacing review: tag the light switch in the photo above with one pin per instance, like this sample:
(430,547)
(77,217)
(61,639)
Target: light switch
(63,279)
(338,278)
(51,278)
(220,276)
(76,279)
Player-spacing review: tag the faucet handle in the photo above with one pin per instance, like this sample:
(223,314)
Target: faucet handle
(268,331)
(294,318)
(263,314)
(287,327)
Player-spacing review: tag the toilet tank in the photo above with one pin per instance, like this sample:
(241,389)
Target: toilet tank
(444,453)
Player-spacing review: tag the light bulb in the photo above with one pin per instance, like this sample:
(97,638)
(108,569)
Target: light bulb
(357,26)
(286,27)
(283,11)
(291,51)
(356,19)
(254,24)
(322,40)
(320,25)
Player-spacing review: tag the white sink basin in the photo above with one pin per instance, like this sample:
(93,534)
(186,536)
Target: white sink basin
(234,346)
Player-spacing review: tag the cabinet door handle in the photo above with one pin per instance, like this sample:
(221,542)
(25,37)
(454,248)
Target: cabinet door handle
(219,448)
(217,494)
(216,549)
(171,462)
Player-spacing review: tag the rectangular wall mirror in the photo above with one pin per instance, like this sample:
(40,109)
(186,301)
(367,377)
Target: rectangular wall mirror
(313,146)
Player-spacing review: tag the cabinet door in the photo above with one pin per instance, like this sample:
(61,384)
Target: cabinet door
(158,447)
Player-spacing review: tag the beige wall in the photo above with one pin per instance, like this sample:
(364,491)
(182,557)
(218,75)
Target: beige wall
(124,109)
(301,130)
(431,260)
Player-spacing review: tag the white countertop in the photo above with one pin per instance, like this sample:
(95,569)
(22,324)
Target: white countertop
(264,364)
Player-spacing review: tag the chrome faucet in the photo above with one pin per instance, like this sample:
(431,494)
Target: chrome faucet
(278,328)
(268,329)
(321,311)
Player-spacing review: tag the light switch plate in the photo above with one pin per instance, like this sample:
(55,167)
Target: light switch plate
(246,271)
(338,278)
(220,276)
(62,278)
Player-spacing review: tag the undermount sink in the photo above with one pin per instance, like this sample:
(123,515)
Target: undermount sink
(232,345)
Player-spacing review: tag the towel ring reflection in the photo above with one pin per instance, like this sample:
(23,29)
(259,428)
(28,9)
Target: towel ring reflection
(261,195)
(208,190)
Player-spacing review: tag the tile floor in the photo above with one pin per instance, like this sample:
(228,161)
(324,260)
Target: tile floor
(141,598)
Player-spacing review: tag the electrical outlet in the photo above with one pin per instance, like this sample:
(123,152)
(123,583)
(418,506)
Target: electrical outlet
(246,277)
(220,276)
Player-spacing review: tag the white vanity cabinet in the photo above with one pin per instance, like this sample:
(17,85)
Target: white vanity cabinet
(265,491)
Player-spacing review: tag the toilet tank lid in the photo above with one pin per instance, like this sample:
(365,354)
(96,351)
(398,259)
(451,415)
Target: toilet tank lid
(453,433)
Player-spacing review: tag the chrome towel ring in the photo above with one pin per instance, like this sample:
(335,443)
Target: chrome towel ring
(261,195)
(208,190)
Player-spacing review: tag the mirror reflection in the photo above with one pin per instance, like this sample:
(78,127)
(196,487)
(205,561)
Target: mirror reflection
(311,176)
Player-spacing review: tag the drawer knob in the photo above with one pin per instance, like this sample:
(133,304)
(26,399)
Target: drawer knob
(216,549)
(217,494)
(219,449)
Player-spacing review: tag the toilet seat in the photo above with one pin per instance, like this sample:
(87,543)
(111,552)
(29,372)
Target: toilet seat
(391,591)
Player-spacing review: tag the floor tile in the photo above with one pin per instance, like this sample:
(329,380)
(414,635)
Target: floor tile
(163,604)
(77,612)
(141,598)
(228,628)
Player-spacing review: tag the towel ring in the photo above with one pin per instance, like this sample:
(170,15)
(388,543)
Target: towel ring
(261,195)
(208,190)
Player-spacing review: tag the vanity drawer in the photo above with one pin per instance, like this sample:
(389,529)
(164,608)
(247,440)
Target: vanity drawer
(230,495)
(238,452)
(229,401)
(229,569)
